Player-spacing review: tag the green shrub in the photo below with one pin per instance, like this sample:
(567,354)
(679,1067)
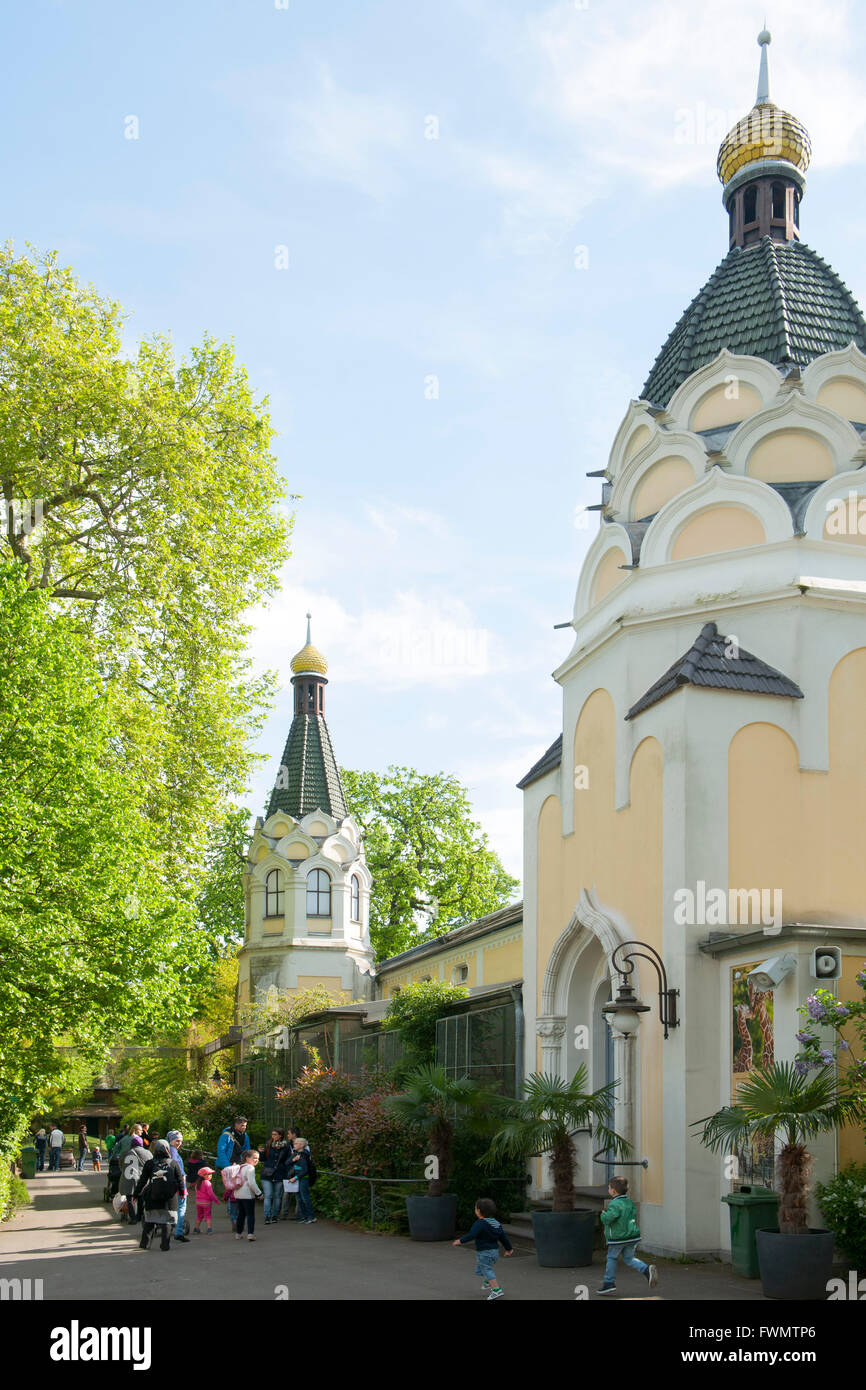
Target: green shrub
(470,1181)
(415,1011)
(18,1197)
(843,1206)
(210,1108)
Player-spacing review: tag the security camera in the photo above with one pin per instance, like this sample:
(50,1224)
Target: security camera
(826,963)
(773,971)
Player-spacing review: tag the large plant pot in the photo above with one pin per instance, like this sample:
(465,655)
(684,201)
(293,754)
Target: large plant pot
(432,1218)
(795,1267)
(563,1239)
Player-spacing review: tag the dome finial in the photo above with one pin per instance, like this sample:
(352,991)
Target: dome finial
(764,71)
(309,615)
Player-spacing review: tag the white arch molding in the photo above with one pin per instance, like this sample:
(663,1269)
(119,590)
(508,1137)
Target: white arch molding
(589,922)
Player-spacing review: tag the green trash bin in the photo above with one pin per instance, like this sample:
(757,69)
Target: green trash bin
(752,1209)
(28,1161)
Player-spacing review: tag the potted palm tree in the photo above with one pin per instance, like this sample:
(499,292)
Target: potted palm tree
(795,1259)
(544,1121)
(430,1103)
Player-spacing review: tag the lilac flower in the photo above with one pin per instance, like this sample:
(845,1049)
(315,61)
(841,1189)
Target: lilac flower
(846,1047)
(815,1007)
(841,1011)
(800,1067)
(826,1056)
(804,1037)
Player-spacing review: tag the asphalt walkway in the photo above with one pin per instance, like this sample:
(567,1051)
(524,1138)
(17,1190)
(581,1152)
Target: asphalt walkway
(71,1241)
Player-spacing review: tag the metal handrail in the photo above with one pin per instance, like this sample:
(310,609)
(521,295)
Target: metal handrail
(356,1177)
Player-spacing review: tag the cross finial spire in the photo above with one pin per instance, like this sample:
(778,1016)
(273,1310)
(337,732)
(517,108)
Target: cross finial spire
(309,615)
(764,70)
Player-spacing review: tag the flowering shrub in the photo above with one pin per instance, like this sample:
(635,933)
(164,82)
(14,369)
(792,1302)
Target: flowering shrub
(843,1206)
(311,1104)
(822,1010)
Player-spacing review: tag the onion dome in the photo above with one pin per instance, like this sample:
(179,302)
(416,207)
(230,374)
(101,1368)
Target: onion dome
(309,658)
(771,296)
(765,139)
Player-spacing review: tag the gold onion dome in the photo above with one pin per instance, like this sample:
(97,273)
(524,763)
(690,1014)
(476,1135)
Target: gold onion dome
(766,133)
(309,658)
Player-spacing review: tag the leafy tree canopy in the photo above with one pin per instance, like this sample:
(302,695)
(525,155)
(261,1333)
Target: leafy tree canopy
(432,867)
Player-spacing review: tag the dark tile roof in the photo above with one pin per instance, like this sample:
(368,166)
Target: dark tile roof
(776,300)
(552,758)
(706,664)
(311,779)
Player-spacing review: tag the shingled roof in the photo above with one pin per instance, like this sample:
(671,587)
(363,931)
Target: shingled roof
(776,300)
(705,664)
(309,777)
(552,758)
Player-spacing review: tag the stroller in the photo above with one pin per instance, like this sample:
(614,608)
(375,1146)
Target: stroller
(112,1182)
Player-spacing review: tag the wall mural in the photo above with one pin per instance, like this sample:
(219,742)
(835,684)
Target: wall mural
(752,1049)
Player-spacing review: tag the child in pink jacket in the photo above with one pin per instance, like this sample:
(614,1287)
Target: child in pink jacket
(205,1200)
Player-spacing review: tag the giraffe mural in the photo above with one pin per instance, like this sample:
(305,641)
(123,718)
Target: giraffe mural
(744,1060)
(759,1011)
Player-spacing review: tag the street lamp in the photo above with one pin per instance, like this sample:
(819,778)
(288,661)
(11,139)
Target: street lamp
(217,1077)
(626,1009)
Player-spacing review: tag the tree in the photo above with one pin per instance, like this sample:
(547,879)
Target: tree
(160,527)
(551,1111)
(431,864)
(221,900)
(779,1100)
(97,939)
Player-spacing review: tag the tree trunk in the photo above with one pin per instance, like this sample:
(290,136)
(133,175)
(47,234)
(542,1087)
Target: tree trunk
(794,1166)
(562,1164)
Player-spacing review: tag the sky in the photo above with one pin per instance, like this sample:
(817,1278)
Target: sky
(447,241)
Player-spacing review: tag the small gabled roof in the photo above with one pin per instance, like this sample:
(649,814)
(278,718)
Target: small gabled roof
(706,664)
(552,758)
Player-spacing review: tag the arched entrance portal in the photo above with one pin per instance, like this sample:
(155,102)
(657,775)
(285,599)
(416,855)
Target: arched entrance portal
(572,1027)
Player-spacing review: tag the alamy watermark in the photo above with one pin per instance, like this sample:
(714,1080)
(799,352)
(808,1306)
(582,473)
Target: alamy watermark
(729,907)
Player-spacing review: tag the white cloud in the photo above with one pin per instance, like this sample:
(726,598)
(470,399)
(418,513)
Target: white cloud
(622,88)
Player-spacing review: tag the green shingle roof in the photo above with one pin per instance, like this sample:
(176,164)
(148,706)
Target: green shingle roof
(776,300)
(309,778)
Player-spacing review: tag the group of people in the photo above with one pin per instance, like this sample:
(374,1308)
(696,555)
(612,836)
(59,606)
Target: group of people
(52,1141)
(154,1184)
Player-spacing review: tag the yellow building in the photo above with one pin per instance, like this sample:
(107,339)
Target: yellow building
(707,791)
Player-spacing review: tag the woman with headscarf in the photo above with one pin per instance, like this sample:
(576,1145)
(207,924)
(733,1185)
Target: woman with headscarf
(159,1187)
(132,1163)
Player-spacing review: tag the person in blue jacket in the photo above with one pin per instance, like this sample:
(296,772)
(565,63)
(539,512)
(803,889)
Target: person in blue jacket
(233,1142)
(487,1233)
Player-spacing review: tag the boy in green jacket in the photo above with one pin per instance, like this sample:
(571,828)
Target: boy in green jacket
(621,1230)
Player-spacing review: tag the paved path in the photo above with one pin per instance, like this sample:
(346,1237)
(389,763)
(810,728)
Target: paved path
(70,1240)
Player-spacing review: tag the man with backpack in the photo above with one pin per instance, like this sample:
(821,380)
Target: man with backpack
(159,1187)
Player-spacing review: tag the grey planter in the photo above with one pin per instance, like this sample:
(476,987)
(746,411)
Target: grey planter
(432,1218)
(795,1267)
(563,1239)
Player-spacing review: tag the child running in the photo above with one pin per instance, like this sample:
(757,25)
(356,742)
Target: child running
(205,1200)
(623,1234)
(487,1232)
(245,1194)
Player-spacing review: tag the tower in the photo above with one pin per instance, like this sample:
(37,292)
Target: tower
(711,698)
(306,883)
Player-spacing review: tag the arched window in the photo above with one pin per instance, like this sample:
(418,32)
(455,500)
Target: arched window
(778,200)
(318,894)
(274,894)
(750,204)
(356,898)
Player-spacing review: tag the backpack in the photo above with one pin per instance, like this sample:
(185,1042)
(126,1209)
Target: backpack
(161,1187)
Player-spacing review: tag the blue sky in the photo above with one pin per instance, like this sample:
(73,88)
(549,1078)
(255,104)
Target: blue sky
(527,264)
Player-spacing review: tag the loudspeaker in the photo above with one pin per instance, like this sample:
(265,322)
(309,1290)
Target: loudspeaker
(826,963)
